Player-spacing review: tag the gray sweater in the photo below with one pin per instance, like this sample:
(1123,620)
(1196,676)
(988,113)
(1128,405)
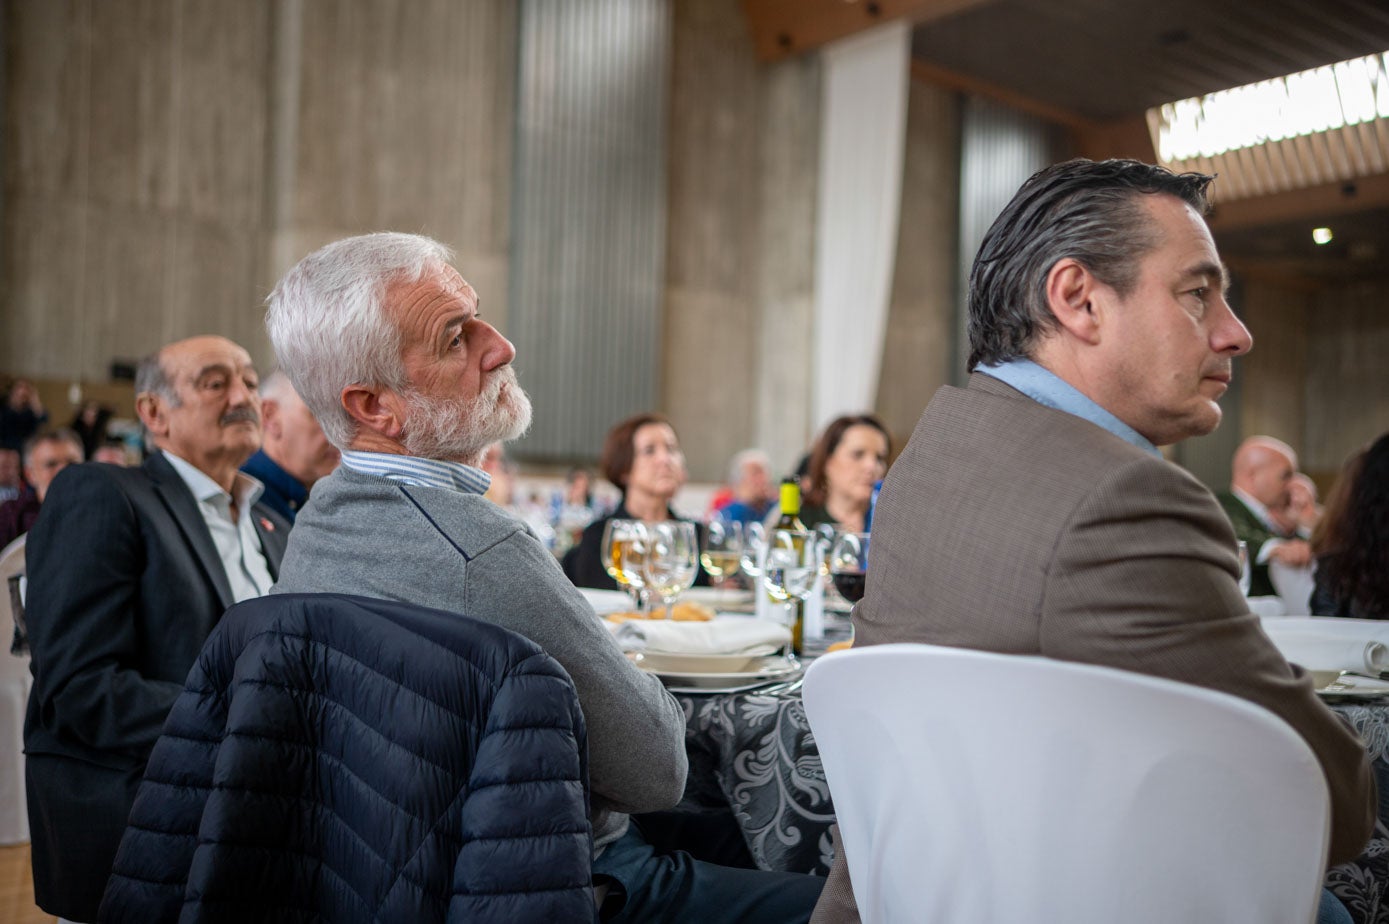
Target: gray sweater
(364,534)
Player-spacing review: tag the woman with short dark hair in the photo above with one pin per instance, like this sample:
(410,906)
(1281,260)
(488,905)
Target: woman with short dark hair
(642,457)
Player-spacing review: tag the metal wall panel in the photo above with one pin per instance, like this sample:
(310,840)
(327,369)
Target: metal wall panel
(999,149)
(589,216)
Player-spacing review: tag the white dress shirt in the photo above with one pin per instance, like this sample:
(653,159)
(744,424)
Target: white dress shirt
(238,543)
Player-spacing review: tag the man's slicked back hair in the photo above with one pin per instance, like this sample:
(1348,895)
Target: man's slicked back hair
(1090,211)
(328,323)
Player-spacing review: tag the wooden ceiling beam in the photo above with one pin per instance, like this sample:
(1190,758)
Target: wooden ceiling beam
(963,83)
(784,28)
(1311,204)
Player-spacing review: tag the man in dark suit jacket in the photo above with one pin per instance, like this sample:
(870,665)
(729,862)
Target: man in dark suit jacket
(1032,513)
(129,569)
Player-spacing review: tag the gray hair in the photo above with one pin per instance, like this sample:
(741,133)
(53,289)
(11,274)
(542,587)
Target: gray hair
(1089,211)
(152,378)
(735,465)
(276,386)
(327,320)
(61,435)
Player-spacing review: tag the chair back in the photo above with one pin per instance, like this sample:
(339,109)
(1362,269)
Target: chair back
(11,595)
(14,698)
(357,760)
(972,786)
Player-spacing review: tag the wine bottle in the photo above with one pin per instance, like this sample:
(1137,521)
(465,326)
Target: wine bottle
(790,520)
(790,506)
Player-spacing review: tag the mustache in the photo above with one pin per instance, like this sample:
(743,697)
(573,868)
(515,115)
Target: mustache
(240,415)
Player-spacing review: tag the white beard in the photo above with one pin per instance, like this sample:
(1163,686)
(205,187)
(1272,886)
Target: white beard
(459,430)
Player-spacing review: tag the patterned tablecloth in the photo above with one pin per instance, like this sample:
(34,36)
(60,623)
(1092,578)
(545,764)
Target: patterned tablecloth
(753,752)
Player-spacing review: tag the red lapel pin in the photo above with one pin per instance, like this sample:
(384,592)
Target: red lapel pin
(266,525)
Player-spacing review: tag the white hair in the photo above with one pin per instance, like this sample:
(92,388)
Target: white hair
(756,456)
(327,320)
(276,387)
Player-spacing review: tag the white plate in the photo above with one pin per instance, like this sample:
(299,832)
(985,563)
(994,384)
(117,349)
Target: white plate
(773,668)
(1352,688)
(714,598)
(684,662)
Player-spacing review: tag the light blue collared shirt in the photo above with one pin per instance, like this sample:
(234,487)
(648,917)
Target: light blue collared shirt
(426,473)
(1048,389)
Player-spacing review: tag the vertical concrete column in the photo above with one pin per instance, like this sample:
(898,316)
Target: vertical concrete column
(784,293)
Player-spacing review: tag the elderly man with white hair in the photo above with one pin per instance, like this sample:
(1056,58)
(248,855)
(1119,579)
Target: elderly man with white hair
(384,341)
(754,492)
(294,453)
(1260,475)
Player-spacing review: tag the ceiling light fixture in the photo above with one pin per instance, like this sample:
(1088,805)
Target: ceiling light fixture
(1321,235)
(1348,93)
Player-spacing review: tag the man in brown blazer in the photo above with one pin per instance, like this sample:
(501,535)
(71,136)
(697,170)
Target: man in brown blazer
(1032,513)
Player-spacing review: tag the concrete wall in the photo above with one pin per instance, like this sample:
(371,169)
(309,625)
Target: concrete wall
(166,160)
(1347,373)
(743,141)
(921,318)
(135,178)
(1273,396)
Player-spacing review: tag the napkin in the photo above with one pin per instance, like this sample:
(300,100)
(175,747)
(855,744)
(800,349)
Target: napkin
(718,636)
(1321,648)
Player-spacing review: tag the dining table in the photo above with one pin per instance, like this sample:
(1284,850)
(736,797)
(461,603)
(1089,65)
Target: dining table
(752,754)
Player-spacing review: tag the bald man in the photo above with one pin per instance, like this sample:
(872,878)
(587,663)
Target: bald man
(294,452)
(129,570)
(1261,474)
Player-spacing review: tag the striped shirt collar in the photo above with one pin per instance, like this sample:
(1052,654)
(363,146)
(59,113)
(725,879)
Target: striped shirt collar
(1049,389)
(427,473)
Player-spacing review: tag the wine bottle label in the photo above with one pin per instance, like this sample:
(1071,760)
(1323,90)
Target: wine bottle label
(790,498)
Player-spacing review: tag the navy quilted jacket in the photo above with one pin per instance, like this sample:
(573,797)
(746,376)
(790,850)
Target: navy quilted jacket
(339,759)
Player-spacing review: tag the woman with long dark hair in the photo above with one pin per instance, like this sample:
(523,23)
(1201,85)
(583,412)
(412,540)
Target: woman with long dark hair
(848,459)
(1352,540)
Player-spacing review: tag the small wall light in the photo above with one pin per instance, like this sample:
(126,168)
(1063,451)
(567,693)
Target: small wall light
(1321,235)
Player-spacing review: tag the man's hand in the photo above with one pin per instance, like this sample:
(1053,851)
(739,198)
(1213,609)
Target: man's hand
(1295,553)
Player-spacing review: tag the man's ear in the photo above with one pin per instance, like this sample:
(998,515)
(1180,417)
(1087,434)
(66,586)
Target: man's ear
(270,422)
(380,412)
(1073,295)
(150,409)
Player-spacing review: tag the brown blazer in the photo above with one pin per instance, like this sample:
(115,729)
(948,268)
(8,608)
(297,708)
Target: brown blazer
(1012,527)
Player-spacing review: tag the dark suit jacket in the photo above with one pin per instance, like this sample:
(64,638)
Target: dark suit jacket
(1011,527)
(125,585)
(1254,532)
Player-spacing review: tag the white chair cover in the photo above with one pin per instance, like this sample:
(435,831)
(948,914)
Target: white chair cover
(972,786)
(14,697)
(1294,586)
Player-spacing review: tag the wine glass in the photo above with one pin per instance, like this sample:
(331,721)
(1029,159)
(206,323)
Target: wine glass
(791,569)
(722,550)
(849,565)
(1245,576)
(754,546)
(672,554)
(624,551)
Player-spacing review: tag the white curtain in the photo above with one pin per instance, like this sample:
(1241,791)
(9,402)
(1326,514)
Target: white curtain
(863,127)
